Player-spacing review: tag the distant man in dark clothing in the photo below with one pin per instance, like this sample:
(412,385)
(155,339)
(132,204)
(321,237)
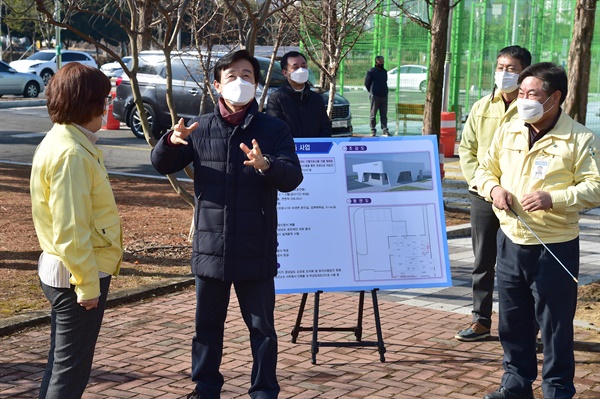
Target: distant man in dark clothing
(296,104)
(376,84)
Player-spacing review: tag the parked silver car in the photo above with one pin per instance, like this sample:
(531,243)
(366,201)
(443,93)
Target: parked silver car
(20,84)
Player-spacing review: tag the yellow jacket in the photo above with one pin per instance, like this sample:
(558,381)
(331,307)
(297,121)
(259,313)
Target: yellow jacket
(486,115)
(570,154)
(74,210)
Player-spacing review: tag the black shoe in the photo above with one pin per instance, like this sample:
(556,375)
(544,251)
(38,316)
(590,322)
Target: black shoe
(504,393)
(194,395)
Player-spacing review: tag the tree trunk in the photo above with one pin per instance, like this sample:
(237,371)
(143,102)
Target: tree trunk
(580,59)
(144,39)
(432,114)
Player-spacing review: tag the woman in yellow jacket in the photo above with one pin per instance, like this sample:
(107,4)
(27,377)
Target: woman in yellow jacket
(77,224)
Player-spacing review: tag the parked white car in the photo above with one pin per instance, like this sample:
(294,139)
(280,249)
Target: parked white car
(412,77)
(114,69)
(20,84)
(43,63)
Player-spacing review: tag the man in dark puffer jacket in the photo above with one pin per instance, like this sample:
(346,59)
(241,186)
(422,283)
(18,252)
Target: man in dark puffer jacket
(376,85)
(295,103)
(235,238)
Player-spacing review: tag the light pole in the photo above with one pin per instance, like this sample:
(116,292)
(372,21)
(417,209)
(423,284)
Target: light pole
(1,40)
(57,35)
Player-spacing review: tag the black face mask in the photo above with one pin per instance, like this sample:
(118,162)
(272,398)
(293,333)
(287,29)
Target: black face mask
(380,66)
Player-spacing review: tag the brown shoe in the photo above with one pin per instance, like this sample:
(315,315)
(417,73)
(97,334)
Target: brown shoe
(475,332)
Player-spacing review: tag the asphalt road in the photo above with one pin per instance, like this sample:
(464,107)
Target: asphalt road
(22,129)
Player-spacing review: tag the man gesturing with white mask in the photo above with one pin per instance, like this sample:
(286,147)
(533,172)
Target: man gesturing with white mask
(485,117)
(241,159)
(295,103)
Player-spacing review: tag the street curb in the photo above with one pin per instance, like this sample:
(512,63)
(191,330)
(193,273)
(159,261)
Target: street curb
(32,319)
(21,103)
(458,231)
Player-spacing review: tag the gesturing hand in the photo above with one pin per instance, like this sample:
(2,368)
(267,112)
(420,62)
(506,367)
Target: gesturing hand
(255,156)
(180,132)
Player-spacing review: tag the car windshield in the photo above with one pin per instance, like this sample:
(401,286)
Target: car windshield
(42,56)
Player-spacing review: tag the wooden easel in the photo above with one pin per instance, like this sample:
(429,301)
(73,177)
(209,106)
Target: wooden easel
(315,344)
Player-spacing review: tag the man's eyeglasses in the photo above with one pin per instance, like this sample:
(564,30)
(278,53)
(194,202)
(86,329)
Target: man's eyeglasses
(509,68)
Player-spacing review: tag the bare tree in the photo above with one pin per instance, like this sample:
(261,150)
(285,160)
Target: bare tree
(144,25)
(236,23)
(279,30)
(330,29)
(438,27)
(580,60)
(251,16)
(127,18)
(208,24)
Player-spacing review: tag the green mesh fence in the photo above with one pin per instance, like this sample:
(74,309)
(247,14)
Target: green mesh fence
(478,30)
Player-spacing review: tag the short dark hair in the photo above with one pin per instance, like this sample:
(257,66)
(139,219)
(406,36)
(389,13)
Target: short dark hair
(517,52)
(553,77)
(77,94)
(379,57)
(230,58)
(290,54)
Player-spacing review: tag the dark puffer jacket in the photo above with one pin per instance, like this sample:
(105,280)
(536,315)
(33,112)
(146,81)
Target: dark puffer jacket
(235,219)
(376,82)
(304,112)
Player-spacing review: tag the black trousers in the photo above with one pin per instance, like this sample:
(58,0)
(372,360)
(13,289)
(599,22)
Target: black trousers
(484,228)
(378,104)
(533,286)
(73,335)
(257,305)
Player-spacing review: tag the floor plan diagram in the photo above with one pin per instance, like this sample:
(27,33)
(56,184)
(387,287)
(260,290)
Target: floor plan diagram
(395,242)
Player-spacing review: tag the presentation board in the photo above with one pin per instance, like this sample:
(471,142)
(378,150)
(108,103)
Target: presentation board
(369,214)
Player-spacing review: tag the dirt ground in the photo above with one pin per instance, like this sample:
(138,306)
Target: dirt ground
(156,223)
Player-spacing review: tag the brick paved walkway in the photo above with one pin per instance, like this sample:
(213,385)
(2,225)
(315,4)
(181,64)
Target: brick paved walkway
(143,352)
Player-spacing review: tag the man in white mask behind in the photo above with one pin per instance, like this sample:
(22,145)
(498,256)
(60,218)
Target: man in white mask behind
(485,117)
(541,170)
(295,103)
(241,159)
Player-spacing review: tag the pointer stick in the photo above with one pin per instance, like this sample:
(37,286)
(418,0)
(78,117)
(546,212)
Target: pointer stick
(548,249)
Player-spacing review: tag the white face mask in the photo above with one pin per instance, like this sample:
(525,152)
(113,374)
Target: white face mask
(531,111)
(506,81)
(105,114)
(238,91)
(300,75)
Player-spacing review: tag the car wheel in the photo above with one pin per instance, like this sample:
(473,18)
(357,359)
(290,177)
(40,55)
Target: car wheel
(135,122)
(46,75)
(31,90)
(423,86)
